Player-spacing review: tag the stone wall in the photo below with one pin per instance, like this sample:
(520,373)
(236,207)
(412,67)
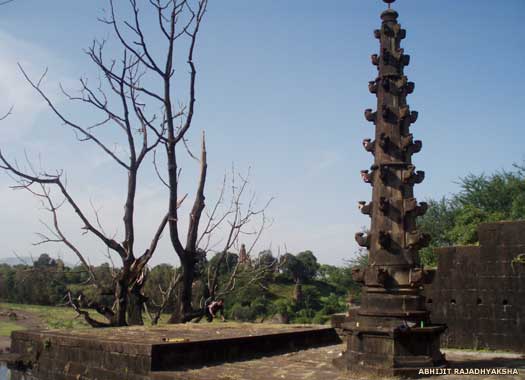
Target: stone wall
(479,293)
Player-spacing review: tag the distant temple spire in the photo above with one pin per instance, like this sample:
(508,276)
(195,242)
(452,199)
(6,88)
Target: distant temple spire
(243,256)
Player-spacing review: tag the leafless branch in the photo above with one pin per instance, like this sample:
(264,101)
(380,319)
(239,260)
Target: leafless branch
(166,295)
(83,131)
(198,205)
(238,218)
(10,109)
(75,305)
(157,170)
(27,180)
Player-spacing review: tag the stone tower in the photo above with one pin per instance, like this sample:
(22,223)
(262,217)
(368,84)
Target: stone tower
(391,334)
(244,258)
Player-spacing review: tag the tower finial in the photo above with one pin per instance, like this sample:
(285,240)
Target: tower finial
(389,2)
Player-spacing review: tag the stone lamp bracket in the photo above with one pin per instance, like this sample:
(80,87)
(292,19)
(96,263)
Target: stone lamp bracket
(370,115)
(374,58)
(404,112)
(413,117)
(421,209)
(417,240)
(372,87)
(362,239)
(366,209)
(411,176)
(396,86)
(369,145)
(367,177)
(395,59)
(412,207)
(419,276)
(413,148)
(406,141)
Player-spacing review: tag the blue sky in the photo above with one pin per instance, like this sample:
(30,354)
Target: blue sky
(282,86)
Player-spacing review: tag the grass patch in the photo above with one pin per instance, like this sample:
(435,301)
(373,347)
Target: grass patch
(56,317)
(53,317)
(7,327)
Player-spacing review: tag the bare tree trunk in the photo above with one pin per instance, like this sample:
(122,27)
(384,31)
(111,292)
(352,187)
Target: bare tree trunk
(136,306)
(183,311)
(121,299)
(188,255)
(298,291)
(137,300)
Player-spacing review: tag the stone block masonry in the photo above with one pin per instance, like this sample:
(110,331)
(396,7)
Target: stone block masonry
(134,353)
(479,291)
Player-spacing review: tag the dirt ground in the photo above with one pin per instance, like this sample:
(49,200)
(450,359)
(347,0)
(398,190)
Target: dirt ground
(22,319)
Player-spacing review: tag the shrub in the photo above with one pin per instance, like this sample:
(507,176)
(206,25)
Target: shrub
(242,313)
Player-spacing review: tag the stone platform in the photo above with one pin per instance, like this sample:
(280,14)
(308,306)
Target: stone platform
(135,353)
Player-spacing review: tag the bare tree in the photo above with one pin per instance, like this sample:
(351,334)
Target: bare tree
(179,24)
(120,98)
(154,309)
(236,222)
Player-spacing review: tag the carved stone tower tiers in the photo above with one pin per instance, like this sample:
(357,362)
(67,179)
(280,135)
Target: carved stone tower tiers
(391,334)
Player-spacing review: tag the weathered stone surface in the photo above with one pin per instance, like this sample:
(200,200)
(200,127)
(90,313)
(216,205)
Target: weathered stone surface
(314,364)
(392,333)
(133,352)
(480,293)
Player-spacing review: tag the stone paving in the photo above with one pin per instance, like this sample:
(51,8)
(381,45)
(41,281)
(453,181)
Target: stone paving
(315,364)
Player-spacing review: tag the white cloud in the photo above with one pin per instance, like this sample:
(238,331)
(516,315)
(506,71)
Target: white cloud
(16,91)
(325,160)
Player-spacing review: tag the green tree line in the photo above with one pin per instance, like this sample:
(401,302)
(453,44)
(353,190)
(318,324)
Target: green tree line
(299,290)
(481,198)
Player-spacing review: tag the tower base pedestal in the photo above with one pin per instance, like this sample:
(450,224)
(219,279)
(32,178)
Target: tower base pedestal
(389,350)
